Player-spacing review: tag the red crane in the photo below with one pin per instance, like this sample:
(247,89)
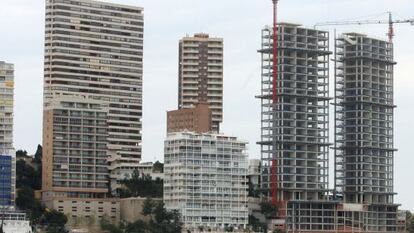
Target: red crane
(390,23)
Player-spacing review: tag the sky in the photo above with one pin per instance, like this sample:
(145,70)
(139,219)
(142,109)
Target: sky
(237,21)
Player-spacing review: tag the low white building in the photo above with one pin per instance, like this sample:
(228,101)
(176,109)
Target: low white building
(15,222)
(120,170)
(205,179)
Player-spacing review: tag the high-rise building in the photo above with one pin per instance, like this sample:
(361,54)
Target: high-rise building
(294,140)
(7,153)
(95,49)
(75,136)
(201,74)
(196,119)
(92,103)
(364,134)
(75,175)
(205,177)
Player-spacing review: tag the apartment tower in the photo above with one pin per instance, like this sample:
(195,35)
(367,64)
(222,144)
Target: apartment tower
(364,134)
(95,49)
(201,74)
(205,179)
(75,131)
(92,103)
(294,129)
(7,153)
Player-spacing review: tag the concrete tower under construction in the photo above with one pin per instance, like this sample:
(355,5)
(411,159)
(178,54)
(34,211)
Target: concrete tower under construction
(364,135)
(294,129)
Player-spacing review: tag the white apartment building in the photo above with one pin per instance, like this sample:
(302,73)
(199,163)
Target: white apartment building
(205,179)
(119,171)
(15,222)
(95,49)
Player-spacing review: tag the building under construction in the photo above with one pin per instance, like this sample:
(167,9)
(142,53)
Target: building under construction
(295,139)
(364,138)
(295,118)
(295,130)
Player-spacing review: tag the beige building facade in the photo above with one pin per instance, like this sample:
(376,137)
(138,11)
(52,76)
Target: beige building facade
(75,132)
(86,211)
(201,74)
(6,105)
(92,103)
(196,119)
(95,49)
(75,176)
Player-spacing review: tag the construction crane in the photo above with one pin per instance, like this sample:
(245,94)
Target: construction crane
(390,23)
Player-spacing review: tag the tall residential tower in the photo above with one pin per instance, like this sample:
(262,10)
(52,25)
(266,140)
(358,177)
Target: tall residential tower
(92,102)
(201,74)
(7,153)
(95,49)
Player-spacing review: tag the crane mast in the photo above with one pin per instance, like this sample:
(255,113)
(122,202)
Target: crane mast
(390,28)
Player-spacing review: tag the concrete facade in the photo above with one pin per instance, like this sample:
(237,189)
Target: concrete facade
(254,176)
(75,147)
(131,209)
(6,107)
(294,141)
(95,49)
(205,180)
(295,132)
(85,211)
(75,176)
(7,153)
(201,74)
(364,134)
(196,119)
(92,103)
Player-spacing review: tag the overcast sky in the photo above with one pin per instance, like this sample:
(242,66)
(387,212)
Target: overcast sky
(239,22)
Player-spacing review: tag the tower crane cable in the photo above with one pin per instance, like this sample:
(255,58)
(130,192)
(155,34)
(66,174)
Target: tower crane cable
(390,22)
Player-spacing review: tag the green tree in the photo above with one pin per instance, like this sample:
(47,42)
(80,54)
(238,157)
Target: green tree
(36,212)
(54,221)
(162,220)
(21,153)
(158,167)
(136,227)
(27,176)
(38,155)
(256,225)
(141,186)
(25,198)
(109,227)
(269,210)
